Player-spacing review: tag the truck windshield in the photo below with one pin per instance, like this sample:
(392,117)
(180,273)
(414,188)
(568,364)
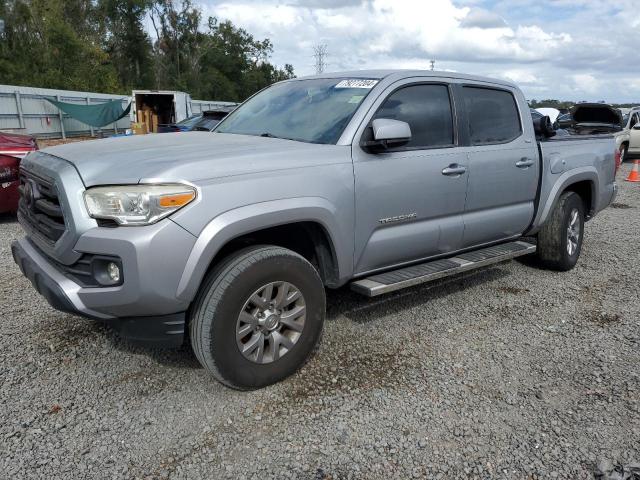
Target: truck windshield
(313,111)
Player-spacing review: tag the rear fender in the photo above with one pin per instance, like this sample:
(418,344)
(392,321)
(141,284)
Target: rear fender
(562,183)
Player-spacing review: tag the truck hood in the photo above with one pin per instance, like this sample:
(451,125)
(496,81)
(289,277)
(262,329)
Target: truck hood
(191,156)
(596,113)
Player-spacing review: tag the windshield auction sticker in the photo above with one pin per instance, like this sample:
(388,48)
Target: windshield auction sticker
(357,83)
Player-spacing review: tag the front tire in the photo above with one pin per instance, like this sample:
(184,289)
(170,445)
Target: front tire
(258,317)
(560,239)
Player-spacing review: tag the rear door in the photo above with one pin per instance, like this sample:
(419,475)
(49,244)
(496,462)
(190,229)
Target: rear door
(503,165)
(410,200)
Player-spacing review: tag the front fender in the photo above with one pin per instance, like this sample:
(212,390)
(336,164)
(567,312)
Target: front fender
(250,218)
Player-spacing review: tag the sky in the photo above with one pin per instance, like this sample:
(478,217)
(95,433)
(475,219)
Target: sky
(564,49)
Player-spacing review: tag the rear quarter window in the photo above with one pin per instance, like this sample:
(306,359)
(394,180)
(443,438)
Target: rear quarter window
(493,115)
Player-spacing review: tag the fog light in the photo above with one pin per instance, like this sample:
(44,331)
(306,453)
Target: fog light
(114,272)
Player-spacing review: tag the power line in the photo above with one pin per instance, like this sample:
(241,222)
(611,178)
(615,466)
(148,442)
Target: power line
(320,53)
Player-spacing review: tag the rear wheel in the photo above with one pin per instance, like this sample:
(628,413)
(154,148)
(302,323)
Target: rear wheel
(258,317)
(560,239)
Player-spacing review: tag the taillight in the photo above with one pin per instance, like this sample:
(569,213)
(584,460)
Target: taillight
(618,160)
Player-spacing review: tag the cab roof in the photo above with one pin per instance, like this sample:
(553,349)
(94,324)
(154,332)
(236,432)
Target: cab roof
(393,75)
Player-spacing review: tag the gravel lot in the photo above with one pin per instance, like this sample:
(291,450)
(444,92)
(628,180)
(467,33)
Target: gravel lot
(512,372)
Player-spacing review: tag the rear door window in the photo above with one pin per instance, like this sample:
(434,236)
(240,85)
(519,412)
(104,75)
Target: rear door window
(493,115)
(427,110)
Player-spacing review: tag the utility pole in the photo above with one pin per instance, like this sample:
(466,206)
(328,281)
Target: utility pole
(320,53)
(433,64)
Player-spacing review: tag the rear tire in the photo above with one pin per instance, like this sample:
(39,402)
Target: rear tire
(560,239)
(258,317)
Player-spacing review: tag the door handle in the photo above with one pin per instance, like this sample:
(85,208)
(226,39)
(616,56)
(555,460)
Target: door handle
(454,169)
(524,163)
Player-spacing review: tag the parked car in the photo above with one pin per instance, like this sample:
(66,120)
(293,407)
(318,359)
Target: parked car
(205,121)
(185,125)
(210,119)
(629,121)
(552,113)
(370,179)
(632,151)
(592,118)
(12,149)
(16,145)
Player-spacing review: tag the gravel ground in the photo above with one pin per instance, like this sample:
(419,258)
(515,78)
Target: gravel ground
(512,372)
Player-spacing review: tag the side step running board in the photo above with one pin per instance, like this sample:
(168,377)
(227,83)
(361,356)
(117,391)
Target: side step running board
(428,271)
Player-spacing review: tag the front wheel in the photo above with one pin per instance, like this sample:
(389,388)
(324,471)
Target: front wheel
(560,239)
(258,317)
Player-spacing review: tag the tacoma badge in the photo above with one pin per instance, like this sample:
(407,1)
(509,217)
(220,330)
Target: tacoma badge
(398,218)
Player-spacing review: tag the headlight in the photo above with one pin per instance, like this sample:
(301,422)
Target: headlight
(137,204)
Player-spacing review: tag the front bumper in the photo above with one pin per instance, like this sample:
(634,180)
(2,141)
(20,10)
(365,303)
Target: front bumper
(65,295)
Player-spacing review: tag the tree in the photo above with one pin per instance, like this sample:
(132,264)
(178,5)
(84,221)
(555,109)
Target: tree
(126,42)
(178,42)
(53,43)
(102,46)
(234,65)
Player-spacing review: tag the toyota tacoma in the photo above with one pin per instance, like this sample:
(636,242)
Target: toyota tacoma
(377,179)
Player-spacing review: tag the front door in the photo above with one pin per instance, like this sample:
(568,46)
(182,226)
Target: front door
(504,167)
(410,200)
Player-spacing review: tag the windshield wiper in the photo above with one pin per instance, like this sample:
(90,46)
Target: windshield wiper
(268,135)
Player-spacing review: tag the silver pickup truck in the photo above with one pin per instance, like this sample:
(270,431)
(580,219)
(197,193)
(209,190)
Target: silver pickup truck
(377,179)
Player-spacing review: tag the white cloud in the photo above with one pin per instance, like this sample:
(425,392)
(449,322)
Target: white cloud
(585,82)
(576,49)
(522,77)
(481,18)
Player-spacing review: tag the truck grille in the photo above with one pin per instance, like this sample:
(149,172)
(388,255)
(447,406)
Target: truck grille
(39,206)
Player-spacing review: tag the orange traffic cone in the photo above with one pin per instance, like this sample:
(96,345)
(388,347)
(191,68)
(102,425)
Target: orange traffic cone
(634,175)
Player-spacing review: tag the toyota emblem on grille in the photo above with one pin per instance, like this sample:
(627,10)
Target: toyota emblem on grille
(29,195)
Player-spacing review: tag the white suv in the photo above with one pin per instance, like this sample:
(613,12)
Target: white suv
(628,140)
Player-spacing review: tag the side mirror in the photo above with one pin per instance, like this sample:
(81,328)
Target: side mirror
(388,133)
(543,127)
(636,126)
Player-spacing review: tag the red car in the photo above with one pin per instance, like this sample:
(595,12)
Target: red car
(12,148)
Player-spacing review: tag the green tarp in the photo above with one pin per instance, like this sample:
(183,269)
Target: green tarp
(97,115)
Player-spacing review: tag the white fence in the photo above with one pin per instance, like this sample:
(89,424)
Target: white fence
(26,110)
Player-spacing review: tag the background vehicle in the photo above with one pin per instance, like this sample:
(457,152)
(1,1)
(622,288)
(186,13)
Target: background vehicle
(629,121)
(552,113)
(537,116)
(633,150)
(592,118)
(185,125)
(368,178)
(205,121)
(210,119)
(170,107)
(12,149)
